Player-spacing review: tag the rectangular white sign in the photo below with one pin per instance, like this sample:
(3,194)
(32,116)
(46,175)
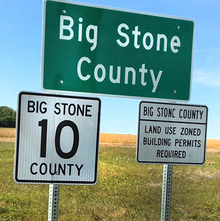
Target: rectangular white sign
(171,133)
(57,139)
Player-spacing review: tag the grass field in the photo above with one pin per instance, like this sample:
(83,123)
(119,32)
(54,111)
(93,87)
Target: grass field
(125,189)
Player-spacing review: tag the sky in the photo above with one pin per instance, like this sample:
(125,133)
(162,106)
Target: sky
(21,50)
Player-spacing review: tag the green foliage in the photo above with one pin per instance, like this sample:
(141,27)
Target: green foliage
(125,191)
(7,117)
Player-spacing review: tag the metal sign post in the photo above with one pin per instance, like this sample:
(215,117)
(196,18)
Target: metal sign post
(60,136)
(53,202)
(166,192)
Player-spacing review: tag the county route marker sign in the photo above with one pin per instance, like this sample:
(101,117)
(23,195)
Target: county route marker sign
(171,133)
(97,50)
(57,139)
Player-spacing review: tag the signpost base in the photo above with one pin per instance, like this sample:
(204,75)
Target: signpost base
(166,192)
(53,202)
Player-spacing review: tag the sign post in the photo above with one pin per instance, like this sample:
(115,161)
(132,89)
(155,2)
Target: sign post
(171,134)
(56,142)
(166,192)
(53,202)
(85,50)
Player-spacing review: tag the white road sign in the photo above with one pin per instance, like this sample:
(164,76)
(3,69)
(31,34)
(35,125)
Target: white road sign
(57,139)
(171,133)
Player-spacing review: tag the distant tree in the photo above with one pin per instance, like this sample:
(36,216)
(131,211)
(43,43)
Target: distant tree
(7,117)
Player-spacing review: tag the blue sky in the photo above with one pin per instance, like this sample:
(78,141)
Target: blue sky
(20,56)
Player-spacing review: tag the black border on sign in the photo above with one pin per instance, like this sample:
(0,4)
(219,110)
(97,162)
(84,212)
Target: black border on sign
(18,121)
(171,162)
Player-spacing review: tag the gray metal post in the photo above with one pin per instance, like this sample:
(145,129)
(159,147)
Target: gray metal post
(166,192)
(53,202)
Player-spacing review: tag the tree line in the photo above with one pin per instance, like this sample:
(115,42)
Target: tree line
(7,117)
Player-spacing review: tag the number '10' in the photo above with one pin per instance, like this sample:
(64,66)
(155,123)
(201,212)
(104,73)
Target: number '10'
(66,123)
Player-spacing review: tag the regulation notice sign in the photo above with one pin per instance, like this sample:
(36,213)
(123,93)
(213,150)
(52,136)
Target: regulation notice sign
(57,139)
(115,52)
(171,133)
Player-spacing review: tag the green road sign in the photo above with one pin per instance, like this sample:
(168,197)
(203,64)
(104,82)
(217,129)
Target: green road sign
(105,51)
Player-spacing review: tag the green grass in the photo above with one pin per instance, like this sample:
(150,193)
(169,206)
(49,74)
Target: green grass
(125,190)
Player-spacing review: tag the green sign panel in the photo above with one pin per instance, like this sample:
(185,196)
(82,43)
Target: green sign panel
(105,51)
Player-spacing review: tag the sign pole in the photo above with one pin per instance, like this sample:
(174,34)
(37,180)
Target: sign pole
(166,192)
(53,202)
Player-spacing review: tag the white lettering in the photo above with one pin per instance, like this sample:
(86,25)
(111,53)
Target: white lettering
(64,27)
(175,42)
(125,44)
(117,80)
(127,70)
(83,78)
(155,81)
(143,71)
(80,30)
(164,37)
(93,39)
(67,33)
(102,68)
(147,40)
(136,33)
(100,73)
(151,43)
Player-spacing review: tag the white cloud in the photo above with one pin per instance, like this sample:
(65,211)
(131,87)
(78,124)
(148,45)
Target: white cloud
(208,78)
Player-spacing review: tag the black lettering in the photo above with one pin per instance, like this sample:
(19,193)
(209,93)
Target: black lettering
(148,111)
(63,169)
(176,154)
(79,168)
(170,130)
(43,172)
(31,168)
(37,107)
(64,108)
(57,107)
(166,112)
(75,144)
(73,109)
(145,141)
(80,109)
(54,171)
(31,106)
(171,154)
(158,153)
(88,110)
(43,108)
(190,131)
(182,131)
(153,129)
(184,154)
(70,168)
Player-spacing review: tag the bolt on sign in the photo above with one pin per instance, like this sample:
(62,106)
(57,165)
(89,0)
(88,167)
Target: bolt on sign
(172,133)
(105,51)
(57,139)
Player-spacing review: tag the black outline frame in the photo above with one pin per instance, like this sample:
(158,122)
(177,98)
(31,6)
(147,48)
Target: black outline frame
(18,123)
(171,162)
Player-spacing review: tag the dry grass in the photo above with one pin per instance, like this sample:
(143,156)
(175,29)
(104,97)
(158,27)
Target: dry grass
(106,139)
(131,140)
(213,143)
(7,134)
(117,139)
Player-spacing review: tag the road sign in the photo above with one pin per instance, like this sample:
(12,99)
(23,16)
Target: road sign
(57,139)
(105,51)
(171,133)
